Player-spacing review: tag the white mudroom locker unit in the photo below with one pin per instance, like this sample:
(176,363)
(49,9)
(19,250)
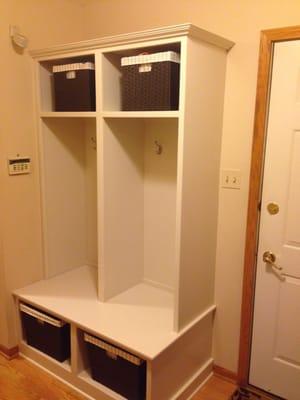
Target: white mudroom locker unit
(129,216)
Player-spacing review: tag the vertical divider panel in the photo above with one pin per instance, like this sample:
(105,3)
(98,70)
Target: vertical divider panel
(122,208)
(181,130)
(46,93)
(149,380)
(38,76)
(99,81)
(99,60)
(79,361)
(18,321)
(74,350)
(111,87)
(100,215)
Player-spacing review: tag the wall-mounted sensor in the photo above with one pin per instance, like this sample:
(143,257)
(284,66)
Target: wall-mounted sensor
(20,165)
(17,38)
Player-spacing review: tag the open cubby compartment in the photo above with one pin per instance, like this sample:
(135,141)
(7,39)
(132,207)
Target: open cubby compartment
(69,181)
(138,211)
(44,334)
(112,70)
(82,369)
(110,367)
(46,81)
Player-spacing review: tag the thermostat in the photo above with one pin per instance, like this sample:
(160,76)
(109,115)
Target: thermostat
(19,165)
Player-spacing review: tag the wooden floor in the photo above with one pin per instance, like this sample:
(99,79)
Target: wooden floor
(21,380)
(216,389)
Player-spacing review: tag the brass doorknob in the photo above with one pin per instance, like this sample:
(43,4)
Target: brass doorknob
(269,257)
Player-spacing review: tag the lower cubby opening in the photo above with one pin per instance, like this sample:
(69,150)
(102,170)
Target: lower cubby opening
(107,366)
(40,358)
(46,333)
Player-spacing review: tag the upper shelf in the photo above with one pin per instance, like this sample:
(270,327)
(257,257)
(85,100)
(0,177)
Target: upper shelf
(113,90)
(110,114)
(67,85)
(68,114)
(140,114)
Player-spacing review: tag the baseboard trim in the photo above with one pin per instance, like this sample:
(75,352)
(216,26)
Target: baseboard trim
(9,354)
(195,382)
(225,373)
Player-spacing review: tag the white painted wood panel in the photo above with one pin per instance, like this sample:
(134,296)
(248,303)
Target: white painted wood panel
(123,214)
(193,351)
(160,184)
(139,320)
(139,189)
(68,114)
(140,114)
(45,89)
(69,198)
(91,191)
(288,323)
(292,228)
(64,195)
(111,82)
(198,177)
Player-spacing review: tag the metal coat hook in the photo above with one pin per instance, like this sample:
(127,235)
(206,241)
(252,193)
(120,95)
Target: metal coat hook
(158,147)
(94,143)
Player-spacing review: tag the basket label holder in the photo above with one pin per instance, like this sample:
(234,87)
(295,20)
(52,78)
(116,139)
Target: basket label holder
(111,351)
(41,318)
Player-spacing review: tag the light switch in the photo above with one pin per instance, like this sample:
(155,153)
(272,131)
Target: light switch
(231,179)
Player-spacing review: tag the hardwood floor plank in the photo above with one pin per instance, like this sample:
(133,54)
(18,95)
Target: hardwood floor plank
(22,380)
(216,389)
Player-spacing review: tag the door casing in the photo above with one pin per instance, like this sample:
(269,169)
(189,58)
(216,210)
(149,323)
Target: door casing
(267,40)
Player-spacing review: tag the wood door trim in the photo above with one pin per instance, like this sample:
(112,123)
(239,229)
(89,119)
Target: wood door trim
(225,373)
(267,40)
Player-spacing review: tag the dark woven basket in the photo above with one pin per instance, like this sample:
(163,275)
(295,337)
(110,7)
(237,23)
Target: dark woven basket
(75,94)
(155,90)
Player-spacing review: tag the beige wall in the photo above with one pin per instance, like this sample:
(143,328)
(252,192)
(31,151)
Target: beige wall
(44,23)
(48,22)
(3,318)
(240,21)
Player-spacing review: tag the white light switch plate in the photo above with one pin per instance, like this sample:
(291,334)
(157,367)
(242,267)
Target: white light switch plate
(231,179)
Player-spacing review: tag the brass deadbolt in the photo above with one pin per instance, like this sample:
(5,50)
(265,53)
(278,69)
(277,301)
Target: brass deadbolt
(273,208)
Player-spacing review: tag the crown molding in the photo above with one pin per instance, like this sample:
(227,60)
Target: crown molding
(136,37)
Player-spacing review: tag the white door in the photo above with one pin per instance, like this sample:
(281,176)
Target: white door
(275,357)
